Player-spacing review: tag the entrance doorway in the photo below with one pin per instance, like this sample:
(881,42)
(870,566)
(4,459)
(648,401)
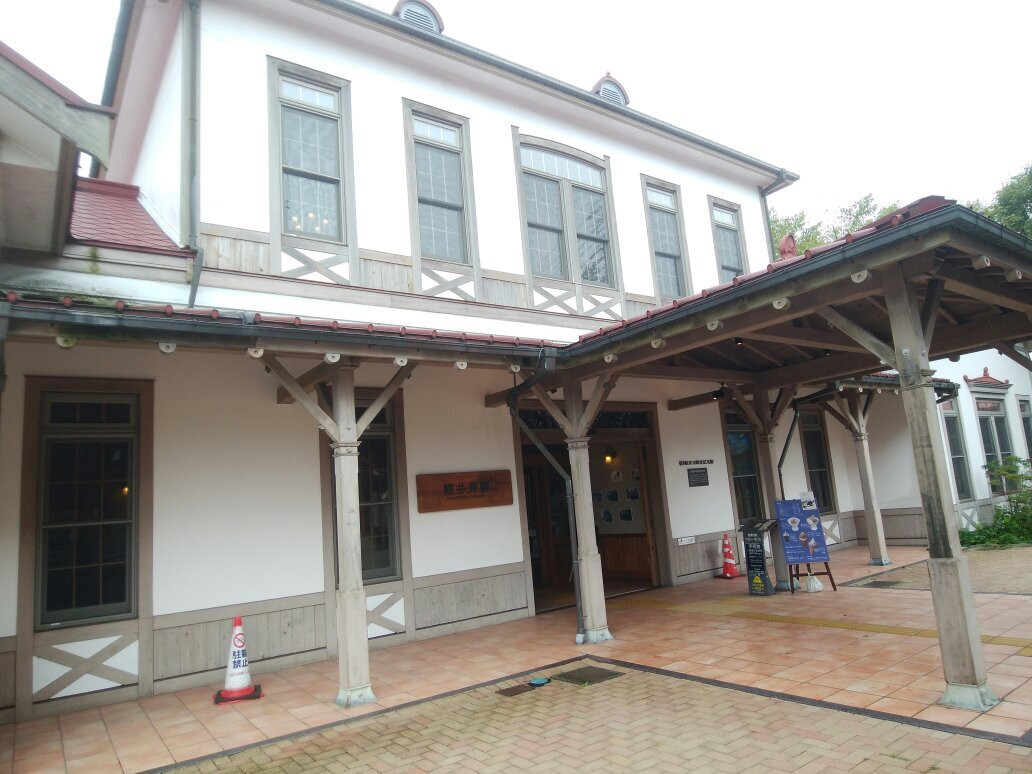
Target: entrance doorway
(620,461)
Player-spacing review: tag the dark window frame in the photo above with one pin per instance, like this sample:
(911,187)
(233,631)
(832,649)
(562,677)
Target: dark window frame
(829,472)
(723,269)
(958,459)
(684,264)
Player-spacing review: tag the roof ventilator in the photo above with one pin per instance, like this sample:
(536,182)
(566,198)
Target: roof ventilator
(420,15)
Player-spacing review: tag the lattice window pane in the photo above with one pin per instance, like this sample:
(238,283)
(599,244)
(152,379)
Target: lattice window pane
(546,254)
(594,261)
(311,143)
(438,175)
(729,253)
(310,206)
(542,202)
(664,232)
(440,232)
(590,212)
(669,276)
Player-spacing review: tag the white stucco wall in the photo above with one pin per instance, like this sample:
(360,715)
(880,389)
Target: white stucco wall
(159,170)
(237,511)
(447,430)
(382,69)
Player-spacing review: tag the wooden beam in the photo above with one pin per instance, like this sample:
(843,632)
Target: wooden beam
(556,413)
(784,399)
(603,387)
(968,283)
(868,402)
(859,334)
(750,413)
(839,417)
(930,308)
(999,257)
(1008,350)
(690,374)
(313,376)
(847,411)
(702,399)
(403,373)
(283,376)
(761,354)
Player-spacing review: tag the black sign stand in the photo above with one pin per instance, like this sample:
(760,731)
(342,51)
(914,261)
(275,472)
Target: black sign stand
(794,574)
(755,557)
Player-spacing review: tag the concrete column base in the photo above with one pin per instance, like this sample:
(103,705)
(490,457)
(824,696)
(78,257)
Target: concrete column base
(353,697)
(595,636)
(971,697)
(879,561)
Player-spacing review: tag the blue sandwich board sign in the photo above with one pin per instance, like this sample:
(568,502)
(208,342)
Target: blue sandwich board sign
(800,532)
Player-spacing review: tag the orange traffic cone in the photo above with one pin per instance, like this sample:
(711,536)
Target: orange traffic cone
(238,673)
(730,571)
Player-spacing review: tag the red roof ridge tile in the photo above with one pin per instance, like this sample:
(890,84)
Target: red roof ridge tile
(107,187)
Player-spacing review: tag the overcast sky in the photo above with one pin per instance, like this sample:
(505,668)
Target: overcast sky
(899,99)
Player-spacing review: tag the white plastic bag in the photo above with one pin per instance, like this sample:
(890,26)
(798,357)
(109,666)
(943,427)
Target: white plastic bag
(812,583)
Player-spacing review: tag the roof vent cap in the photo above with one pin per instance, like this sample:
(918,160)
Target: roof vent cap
(610,89)
(420,15)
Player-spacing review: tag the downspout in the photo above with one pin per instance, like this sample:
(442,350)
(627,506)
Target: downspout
(784,452)
(191,109)
(779,182)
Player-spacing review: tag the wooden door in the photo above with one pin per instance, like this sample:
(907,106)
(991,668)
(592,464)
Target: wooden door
(549,522)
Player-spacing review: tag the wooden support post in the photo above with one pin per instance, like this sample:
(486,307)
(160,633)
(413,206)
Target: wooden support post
(959,640)
(352,639)
(593,598)
(765,450)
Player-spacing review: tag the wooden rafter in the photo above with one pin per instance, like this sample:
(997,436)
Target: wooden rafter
(860,335)
(313,376)
(969,283)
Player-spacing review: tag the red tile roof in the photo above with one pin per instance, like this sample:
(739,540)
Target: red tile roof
(902,215)
(985,380)
(109,214)
(69,96)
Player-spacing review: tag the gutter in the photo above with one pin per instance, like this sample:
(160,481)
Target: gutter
(191,109)
(952,216)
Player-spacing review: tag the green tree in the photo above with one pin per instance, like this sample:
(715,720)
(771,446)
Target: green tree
(852,218)
(1012,205)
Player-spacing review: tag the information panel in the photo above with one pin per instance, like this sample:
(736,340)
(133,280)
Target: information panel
(801,533)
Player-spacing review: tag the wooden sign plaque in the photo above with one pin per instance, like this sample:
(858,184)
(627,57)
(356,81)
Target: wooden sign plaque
(455,491)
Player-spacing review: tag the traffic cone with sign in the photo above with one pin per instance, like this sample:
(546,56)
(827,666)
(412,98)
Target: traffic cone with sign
(238,674)
(730,571)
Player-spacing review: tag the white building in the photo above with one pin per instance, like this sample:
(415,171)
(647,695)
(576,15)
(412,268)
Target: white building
(306,206)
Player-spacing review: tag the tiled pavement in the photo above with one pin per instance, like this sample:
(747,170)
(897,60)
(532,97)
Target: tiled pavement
(865,648)
(636,722)
(992,570)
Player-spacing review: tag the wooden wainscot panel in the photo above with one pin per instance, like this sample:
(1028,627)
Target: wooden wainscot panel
(455,491)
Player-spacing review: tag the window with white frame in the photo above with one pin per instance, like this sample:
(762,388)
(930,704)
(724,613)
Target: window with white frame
(311,156)
(992,425)
(567,222)
(727,239)
(665,238)
(958,453)
(440,160)
(1025,410)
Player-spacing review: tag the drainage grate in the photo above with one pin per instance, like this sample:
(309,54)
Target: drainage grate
(587,675)
(515,690)
(882,584)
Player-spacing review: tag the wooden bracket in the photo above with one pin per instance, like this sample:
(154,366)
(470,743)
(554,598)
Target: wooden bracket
(403,373)
(556,413)
(301,395)
(1008,350)
(860,335)
(603,387)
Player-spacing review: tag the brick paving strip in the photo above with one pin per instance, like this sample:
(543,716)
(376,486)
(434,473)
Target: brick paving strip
(648,719)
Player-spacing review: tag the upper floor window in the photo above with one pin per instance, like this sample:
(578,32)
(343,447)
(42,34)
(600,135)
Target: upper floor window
(565,204)
(310,148)
(440,165)
(958,454)
(817,459)
(727,239)
(665,228)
